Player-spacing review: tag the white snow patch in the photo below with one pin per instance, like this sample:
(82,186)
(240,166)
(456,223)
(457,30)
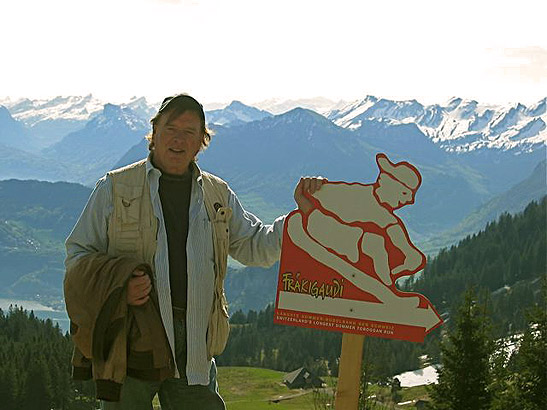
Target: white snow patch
(353,110)
(404,403)
(460,126)
(420,377)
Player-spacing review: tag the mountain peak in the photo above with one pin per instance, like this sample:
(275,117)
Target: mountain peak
(4,112)
(236,113)
(538,109)
(137,100)
(111,110)
(115,114)
(301,115)
(237,105)
(453,103)
(300,112)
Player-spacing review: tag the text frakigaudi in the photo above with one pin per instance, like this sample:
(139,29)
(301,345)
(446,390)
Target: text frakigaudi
(294,283)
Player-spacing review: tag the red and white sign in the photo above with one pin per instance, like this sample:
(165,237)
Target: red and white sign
(340,262)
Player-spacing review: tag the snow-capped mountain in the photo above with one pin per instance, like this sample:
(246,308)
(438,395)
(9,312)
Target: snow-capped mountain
(105,138)
(76,108)
(141,107)
(457,126)
(490,137)
(235,113)
(50,120)
(320,105)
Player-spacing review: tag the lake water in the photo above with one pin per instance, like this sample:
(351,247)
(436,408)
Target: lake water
(40,311)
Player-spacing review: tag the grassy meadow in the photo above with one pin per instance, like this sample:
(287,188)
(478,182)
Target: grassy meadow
(251,388)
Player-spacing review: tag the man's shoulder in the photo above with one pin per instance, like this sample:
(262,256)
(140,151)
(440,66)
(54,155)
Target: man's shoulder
(215,189)
(132,174)
(128,168)
(213,178)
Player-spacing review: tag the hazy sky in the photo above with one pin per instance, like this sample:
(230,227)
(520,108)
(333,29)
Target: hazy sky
(219,50)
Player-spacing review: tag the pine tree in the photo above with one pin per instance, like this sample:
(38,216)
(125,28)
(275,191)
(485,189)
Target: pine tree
(465,353)
(524,383)
(38,394)
(8,387)
(238,318)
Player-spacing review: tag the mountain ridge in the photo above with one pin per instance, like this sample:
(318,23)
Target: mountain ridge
(458,125)
(512,201)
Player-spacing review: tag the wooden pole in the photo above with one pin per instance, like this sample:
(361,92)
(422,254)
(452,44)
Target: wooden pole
(349,372)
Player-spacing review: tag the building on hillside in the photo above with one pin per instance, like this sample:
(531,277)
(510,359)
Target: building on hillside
(302,378)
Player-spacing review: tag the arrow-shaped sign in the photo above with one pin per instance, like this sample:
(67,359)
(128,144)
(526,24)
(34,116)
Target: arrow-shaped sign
(357,309)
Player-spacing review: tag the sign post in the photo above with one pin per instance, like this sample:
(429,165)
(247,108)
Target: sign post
(349,372)
(340,263)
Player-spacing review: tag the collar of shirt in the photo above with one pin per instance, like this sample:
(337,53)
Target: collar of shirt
(154,173)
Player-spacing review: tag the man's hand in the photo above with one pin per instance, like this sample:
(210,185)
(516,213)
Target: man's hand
(138,288)
(309,185)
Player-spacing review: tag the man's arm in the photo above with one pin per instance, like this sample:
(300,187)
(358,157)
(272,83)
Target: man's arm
(254,243)
(90,234)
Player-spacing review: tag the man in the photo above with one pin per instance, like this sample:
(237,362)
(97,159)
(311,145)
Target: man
(162,218)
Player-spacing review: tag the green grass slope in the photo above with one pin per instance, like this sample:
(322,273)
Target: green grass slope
(246,388)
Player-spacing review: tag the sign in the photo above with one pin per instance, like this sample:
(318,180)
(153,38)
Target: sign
(340,261)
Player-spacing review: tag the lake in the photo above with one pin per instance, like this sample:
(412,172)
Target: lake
(40,311)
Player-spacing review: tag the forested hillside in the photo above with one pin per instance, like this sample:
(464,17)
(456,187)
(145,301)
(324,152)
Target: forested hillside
(507,259)
(256,341)
(35,366)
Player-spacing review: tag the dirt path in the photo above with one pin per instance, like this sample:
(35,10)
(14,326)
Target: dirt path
(277,399)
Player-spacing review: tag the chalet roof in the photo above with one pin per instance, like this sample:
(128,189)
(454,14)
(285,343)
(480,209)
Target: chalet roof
(305,375)
(290,377)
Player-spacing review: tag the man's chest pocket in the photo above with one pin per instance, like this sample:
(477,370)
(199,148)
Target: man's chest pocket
(221,223)
(128,205)
(131,225)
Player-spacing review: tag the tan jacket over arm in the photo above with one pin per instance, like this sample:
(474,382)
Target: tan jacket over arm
(102,324)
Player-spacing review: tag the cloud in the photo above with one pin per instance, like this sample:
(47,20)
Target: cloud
(527,63)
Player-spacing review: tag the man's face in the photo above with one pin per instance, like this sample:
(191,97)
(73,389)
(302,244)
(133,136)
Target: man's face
(177,142)
(392,192)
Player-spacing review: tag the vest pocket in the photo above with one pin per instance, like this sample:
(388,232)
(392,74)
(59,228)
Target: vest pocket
(219,326)
(128,203)
(128,238)
(222,223)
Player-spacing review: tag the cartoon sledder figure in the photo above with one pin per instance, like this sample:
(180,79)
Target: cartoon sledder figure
(352,229)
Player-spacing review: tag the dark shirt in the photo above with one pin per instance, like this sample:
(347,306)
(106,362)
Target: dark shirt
(175,202)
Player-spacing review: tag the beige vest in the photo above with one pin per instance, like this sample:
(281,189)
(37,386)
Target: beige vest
(132,230)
